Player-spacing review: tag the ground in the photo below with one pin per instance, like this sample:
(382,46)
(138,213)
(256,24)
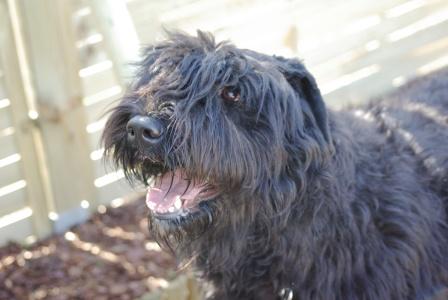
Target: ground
(111,256)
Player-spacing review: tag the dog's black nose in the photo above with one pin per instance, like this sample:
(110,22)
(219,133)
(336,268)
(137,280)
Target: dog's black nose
(146,129)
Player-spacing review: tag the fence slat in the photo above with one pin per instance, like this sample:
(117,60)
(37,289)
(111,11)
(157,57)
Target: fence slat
(14,200)
(10,172)
(55,65)
(5,120)
(120,38)
(8,146)
(16,226)
(99,81)
(23,134)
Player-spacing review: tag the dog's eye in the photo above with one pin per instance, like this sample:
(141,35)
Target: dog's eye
(167,108)
(230,93)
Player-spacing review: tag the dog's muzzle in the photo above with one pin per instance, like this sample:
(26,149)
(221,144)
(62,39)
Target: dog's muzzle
(145,130)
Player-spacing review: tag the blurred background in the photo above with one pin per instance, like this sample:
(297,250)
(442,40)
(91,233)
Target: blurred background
(70,226)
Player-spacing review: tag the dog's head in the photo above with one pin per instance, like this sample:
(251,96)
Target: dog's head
(213,128)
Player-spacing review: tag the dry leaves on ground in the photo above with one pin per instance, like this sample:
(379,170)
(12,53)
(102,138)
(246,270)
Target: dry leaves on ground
(111,256)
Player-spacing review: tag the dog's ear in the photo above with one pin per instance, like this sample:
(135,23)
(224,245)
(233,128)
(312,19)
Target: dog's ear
(305,85)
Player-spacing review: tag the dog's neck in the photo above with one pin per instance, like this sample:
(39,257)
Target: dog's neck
(316,206)
(319,204)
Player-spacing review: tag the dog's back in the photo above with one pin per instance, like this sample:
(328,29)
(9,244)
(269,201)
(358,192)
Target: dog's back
(418,112)
(394,156)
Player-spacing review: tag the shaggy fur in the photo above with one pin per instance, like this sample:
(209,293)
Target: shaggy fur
(312,203)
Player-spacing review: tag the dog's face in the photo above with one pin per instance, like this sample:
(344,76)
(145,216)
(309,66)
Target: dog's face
(211,128)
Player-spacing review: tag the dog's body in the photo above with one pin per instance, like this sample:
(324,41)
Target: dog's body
(279,196)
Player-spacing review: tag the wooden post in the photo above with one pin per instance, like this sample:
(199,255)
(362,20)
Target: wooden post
(120,36)
(47,25)
(27,135)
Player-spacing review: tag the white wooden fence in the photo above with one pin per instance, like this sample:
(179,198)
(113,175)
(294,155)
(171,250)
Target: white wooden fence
(57,79)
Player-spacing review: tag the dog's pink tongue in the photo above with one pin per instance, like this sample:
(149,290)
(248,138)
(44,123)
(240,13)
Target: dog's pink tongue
(168,189)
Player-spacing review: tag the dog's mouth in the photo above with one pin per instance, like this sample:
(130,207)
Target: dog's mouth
(171,195)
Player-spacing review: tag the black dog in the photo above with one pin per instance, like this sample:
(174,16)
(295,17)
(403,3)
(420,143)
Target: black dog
(273,196)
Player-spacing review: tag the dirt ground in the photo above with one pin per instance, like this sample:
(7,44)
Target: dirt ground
(111,256)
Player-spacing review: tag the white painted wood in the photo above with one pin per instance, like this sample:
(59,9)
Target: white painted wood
(7,146)
(98,82)
(5,117)
(23,134)
(13,201)
(54,66)
(120,38)
(18,230)
(10,173)
(98,110)
(116,189)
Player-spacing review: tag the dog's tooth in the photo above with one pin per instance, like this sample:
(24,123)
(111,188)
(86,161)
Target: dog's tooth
(151,205)
(171,209)
(178,203)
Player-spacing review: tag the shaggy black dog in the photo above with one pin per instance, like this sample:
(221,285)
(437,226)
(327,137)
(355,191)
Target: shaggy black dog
(269,194)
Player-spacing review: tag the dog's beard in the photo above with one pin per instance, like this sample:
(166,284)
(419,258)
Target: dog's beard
(178,232)
(183,196)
